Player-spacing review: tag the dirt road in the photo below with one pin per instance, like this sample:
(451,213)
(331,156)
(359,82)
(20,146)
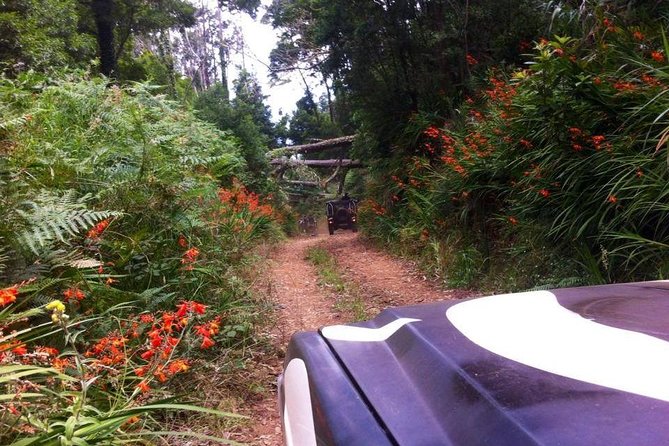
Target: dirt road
(382,281)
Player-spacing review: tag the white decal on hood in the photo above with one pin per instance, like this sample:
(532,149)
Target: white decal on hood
(534,329)
(362,334)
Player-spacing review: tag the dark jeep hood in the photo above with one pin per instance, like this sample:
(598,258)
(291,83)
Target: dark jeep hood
(581,366)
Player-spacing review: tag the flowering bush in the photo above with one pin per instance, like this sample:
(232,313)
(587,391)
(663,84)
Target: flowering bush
(565,151)
(87,391)
(117,266)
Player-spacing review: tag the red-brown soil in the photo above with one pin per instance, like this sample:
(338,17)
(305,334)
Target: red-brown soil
(381,280)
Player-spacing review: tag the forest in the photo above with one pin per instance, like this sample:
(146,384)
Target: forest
(503,145)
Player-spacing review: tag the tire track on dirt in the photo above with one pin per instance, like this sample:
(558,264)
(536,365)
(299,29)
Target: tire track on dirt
(383,281)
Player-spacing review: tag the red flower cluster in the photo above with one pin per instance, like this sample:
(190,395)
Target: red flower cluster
(501,92)
(182,242)
(109,350)
(98,229)
(164,336)
(580,140)
(73,293)
(207,332)
(657,56)
(189,258)
(8,295)
(377,208)
(239,199)
(609,25)
(650,80)
(623,86)
(398,181)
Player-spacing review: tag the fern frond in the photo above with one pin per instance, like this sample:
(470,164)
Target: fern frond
(13,123)
(51,217)
(198,160)
(4,256)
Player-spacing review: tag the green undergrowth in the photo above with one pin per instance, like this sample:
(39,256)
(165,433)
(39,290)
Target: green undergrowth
(127,251)
(551,174)
(349,300)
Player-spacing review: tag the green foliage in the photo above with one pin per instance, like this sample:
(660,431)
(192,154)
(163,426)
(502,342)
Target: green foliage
(111,201)
(52,218)
(42,35)
(389,60)
(558,165)
(246,117)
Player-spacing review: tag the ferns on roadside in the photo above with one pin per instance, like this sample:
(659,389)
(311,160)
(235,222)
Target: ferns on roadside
(54,217)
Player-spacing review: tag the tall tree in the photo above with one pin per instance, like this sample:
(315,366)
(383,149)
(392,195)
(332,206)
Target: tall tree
(116,21)
(105,22)
(42,35)
(393,58)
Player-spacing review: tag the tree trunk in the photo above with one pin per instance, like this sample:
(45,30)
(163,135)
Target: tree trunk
(317,163)
(104,22)
(344,141)
(167,56)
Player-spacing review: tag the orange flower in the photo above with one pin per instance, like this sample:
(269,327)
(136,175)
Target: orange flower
(160,375)
(8,295)
(612,199)
(513,220)
(20,350)
(190,306)
(14,410)
(178,365)
(190,256)
(73,292)
(657,56)
(143,387)
(544,193)
(597,141)
(60,364)
(624,86)
(182,241)
(639,173)
(638,35)
(132,420)
(471,61)
(98,229)
(207,342)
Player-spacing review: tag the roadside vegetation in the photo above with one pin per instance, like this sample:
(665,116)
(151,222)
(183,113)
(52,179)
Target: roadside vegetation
(506,145)
(125,240)
(553,173)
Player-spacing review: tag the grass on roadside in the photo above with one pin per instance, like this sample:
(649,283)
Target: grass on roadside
(348,298)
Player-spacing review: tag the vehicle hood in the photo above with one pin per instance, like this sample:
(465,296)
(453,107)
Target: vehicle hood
(579,366)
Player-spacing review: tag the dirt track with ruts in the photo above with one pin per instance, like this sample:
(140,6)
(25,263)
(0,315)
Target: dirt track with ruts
(293,287)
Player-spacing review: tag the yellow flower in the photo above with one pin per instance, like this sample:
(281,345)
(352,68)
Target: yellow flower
(58,316)
(56,305)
